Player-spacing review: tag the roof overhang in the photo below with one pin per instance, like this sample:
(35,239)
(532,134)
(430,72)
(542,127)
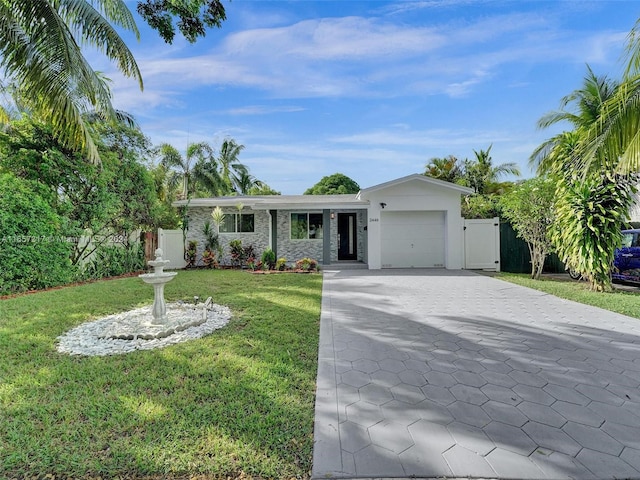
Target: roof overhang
(279,202)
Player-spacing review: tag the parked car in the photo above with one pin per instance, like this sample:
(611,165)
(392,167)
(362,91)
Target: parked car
(626,260)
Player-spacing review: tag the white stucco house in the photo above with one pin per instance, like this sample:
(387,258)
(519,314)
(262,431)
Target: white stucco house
(413,221)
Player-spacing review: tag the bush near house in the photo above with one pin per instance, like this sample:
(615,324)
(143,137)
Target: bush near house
(281,264)
(307,265)
(268,259)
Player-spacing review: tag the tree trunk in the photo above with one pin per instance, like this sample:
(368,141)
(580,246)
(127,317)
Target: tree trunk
(538,256)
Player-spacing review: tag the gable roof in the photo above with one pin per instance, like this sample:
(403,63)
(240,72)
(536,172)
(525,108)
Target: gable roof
(419,177)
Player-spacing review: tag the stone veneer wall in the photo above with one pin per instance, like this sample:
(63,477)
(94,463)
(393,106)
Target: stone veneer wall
(294,250)
(259,238)
(290,249)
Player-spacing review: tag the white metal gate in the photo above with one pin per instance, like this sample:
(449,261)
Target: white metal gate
(171,243)
(482,244)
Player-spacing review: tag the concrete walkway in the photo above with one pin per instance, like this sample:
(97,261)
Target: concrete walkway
(432,373)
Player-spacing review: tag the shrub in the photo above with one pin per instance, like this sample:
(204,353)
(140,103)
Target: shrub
(191,254)
(306,264)
(209,259)
(114,260)
(247,253)
(212,248)
(237,252)
(269,259)
(281,264)
(33,252)
(480,206)
(253,265)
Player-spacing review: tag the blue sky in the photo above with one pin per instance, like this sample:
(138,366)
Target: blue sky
(371,89)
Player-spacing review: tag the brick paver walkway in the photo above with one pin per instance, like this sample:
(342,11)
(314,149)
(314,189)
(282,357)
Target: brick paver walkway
(432,373)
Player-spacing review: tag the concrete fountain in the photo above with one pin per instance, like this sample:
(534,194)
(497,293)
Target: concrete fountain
(144,329)
(159,278)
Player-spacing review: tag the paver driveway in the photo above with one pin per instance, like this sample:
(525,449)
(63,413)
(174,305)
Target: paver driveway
(433,373)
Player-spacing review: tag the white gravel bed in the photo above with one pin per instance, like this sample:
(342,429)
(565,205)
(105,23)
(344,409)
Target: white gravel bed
(95,338)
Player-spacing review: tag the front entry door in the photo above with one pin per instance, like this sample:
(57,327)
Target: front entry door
(347,249)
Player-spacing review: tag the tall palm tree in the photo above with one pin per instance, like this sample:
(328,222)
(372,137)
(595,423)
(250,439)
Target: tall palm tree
(592,199)
(40,49)
(231,170)
(612,143)
(588,104)
(184,169)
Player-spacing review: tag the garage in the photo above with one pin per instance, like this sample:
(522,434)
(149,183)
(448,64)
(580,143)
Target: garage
(413,239)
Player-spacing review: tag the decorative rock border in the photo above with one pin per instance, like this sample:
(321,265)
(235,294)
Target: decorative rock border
(130,331)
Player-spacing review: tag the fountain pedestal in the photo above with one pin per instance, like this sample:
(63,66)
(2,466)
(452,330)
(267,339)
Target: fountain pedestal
(162,322)
(159,278)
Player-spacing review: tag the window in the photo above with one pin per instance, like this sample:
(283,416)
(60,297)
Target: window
(306,226)
(235,222)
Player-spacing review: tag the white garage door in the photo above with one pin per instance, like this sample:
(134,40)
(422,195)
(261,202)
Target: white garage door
(412,239)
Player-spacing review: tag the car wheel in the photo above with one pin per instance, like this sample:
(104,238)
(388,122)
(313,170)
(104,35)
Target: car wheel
(575,274)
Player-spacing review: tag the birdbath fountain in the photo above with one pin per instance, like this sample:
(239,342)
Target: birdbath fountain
(158,279)
(139,329)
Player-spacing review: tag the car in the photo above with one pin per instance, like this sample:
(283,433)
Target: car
(626,261)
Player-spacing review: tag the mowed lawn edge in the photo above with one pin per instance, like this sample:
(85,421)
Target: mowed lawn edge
(619,301)
(239,402)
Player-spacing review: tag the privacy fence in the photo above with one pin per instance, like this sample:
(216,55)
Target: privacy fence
(515,257)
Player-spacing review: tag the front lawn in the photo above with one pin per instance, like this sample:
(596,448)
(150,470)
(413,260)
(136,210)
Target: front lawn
(237,403)
(624,302)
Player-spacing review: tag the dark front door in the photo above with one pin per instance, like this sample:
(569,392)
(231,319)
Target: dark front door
(347,237)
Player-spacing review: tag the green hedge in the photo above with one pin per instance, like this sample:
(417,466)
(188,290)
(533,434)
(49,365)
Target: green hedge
(34,254)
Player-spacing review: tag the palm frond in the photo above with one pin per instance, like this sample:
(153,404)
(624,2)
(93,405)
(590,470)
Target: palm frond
(632,51)
(39,49)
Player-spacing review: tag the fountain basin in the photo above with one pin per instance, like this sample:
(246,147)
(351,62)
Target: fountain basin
(137,325)
(157,278)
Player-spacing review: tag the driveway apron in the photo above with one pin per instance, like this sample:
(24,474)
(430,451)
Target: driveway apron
(434,373)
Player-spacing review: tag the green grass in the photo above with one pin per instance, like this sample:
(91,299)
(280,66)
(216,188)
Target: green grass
(236,403)
(626,303)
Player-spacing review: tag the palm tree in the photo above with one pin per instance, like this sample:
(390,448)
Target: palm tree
(207,176)
(45,59)
(592,199)
(589,101)
(184,169)
(447,169)
(482,176)
(612,143)
(231,170)
(247,183)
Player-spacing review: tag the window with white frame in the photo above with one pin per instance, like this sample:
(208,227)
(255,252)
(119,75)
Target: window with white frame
(238,223)
(306,226)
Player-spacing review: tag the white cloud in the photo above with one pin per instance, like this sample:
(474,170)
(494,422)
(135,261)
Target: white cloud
(364,57)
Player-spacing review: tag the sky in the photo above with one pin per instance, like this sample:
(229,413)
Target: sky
(374,89)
